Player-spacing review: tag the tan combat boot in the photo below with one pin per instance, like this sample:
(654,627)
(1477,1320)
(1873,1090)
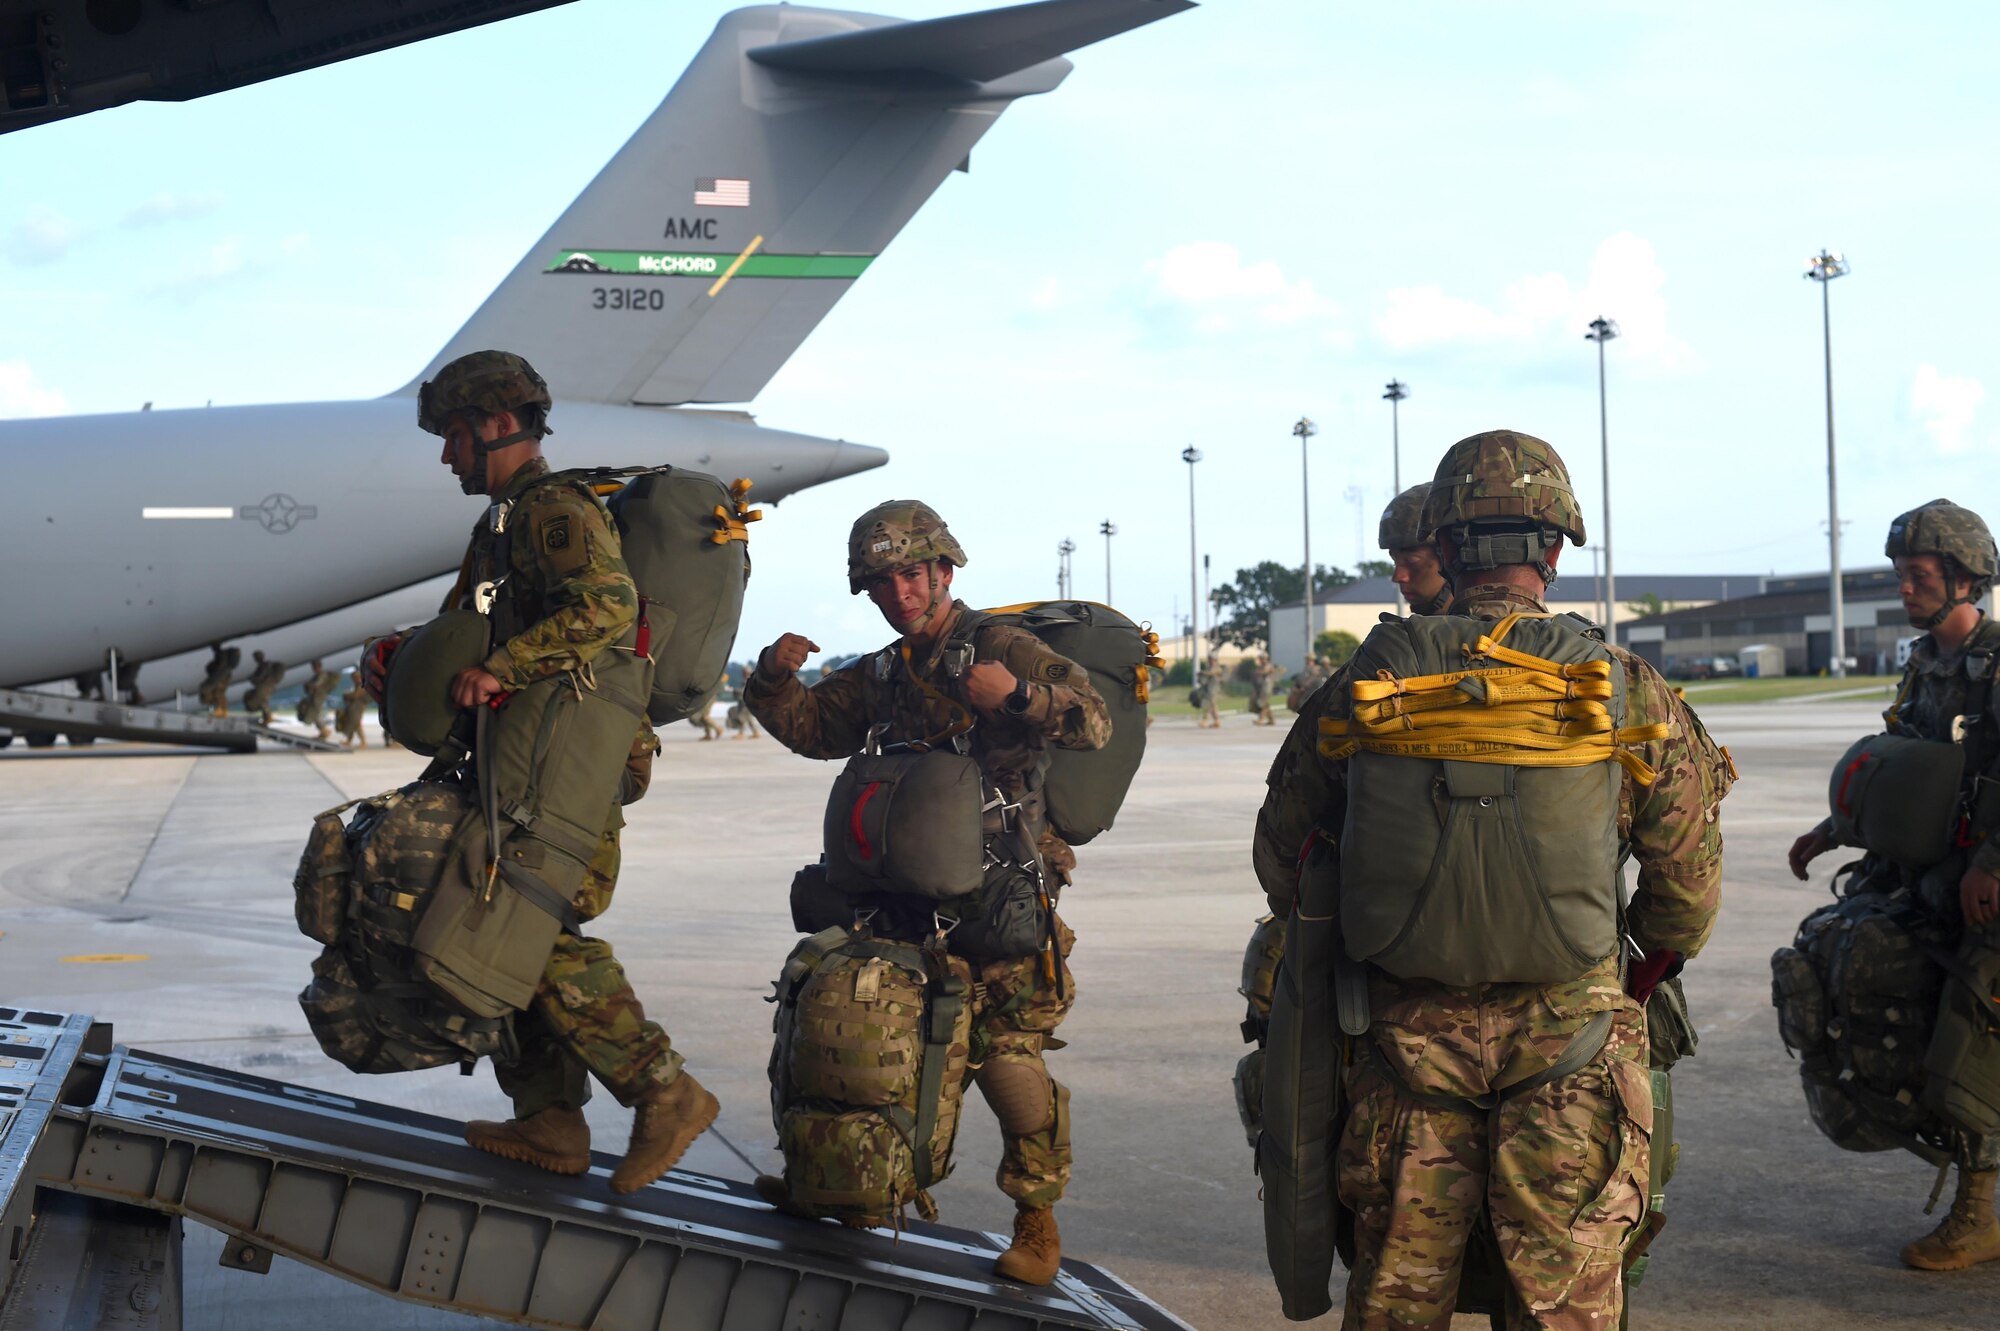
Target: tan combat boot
(1967,1236)
(1037,1252)
(665,1123)
(556,1139)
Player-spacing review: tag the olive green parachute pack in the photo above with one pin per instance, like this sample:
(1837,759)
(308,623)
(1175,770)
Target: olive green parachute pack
(868,1071)
(1261,959)
(1464,859)
(1898,796)
(908,823)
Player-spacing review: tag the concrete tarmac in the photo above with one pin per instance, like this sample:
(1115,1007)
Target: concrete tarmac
(152,888)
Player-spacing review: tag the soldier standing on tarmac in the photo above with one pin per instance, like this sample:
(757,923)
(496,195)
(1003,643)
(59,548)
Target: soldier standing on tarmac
(1261,680)
(567,598)
(1418,575)
(264,680)
(353,709)
(1945,562)
(1211,693)
(1475,1097)
(312,703)
(1018,698)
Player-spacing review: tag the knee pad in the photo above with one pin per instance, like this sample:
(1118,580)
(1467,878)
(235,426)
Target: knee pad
(1020,1093)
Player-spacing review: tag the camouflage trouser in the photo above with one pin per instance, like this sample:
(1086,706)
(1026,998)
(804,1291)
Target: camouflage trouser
(585,1018)
(1559,1172)
(1015,1009)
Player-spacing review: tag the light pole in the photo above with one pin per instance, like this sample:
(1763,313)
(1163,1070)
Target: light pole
(1602,330)
(1823,268)
(1110,529)
(1064,582)
(1305,430)
(1397,391)
(1191,455)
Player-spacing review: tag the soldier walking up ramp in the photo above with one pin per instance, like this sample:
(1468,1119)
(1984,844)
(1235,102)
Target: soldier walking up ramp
(104,1149)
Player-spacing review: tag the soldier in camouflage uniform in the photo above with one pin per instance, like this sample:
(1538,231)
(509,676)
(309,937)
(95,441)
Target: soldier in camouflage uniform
(353,710)
(545,558)
(1418,575)
(264,680)
(214,693)
(312,703)
(1019,698)
(1210,684)
(1261,680)
(1945,562)
(1559,1172)
(1307,682)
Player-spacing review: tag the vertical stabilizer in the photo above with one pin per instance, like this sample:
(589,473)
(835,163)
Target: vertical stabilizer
(790,153)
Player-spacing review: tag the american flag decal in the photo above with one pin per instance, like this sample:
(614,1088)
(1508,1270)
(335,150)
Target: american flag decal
(711,192)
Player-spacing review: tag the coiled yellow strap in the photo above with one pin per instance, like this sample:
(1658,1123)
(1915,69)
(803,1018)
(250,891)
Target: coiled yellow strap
(735,526)
(1528,712)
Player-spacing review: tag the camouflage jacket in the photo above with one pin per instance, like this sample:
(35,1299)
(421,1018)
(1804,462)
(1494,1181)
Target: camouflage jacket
(1261,680)
(353,707)
(1938,688)
(919,698)
(318,687)
(563,593)
(1671,826)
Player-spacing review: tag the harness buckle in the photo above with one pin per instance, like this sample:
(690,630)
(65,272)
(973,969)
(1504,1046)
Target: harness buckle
(484,595)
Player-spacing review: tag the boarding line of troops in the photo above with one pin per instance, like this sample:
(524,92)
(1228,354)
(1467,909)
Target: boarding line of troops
(1488,1118)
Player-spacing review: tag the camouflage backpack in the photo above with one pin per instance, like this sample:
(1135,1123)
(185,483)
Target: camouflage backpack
(868,1073)
(1857,994)
(1261,959)
(361,889)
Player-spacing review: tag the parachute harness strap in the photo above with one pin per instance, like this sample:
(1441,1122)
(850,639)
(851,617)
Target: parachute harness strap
(962,719)
(735,525)
(1528,712)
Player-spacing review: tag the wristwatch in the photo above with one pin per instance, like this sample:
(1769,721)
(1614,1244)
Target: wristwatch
(1016,702)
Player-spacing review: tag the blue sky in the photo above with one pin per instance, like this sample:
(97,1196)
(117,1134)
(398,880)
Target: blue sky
(1255,210)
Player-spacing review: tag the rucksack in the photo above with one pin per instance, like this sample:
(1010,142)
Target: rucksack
(1481,840)
(868,1070)
(1084,788)
(1857,995)
(362,889)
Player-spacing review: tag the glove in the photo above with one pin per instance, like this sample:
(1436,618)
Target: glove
(1642,977)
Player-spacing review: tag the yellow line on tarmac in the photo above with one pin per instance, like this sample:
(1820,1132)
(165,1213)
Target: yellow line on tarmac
(730,272)
(95,958)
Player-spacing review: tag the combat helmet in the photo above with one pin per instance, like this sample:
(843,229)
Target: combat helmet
(1402,521)
(488,383)
(1954,534)
(1504,498)
(896,535)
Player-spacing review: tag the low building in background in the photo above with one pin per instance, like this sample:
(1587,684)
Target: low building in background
(1789,613)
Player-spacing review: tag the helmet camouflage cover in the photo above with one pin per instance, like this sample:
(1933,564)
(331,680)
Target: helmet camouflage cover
(1943,528)
(488,382)
(896,535)
(1402,522)
(1505,476)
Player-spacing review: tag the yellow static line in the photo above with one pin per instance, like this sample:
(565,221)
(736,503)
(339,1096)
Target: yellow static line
(93,958)
(730,271)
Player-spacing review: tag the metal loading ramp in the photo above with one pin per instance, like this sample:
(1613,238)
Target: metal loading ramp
(27,713)
(396,1201)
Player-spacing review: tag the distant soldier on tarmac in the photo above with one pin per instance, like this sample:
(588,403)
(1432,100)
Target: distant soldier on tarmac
(1306,682)
(1210,689)
(312,703)
(264,680)
(353,708)
(222,662)
(1261,680)
(739,719)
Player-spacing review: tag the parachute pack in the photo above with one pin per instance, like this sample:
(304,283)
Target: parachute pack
(868,1071)
(380,889)
(1481,836)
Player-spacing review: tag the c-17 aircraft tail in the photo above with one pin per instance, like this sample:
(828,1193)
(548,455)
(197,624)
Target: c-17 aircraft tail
(792,150)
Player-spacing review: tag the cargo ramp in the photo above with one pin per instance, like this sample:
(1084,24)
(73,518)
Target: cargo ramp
(42,716)
(105,1150)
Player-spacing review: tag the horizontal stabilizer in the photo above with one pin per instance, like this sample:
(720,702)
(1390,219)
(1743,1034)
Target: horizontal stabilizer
(977,47)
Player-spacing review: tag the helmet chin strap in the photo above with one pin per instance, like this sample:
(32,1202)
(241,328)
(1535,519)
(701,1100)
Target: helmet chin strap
(923,621)
(474,481)
(1951,602)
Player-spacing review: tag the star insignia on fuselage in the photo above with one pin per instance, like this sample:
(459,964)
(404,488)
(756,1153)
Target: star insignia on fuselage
(279,513)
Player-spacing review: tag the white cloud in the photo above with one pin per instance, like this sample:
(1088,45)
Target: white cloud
(167,206)
(1210,278)
(1946,407)
(43,236)
(1544,310)
(20,396)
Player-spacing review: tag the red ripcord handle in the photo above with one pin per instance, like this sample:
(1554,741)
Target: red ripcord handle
(862,845)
